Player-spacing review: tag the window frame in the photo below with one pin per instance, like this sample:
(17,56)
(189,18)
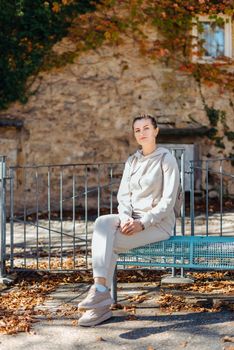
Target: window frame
(227,39)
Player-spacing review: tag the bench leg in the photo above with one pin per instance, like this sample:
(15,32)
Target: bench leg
(177,279)
(114,286)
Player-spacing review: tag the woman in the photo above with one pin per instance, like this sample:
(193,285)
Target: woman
(146,198)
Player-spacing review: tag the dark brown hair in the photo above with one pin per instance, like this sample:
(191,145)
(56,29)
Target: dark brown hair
(145,116)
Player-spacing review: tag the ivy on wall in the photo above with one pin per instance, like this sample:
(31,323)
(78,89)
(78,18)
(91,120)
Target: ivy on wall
(172,19)
(28,31)
(174,46)
(30,28)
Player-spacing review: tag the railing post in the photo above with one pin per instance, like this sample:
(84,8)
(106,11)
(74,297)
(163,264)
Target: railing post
(174,278)
(192,216)
(12,217)
(3,278)
(2,217)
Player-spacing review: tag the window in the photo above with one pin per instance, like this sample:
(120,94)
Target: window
(215,36)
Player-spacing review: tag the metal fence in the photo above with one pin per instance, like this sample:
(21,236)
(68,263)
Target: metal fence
(51,209)
(217,196)
(58,207)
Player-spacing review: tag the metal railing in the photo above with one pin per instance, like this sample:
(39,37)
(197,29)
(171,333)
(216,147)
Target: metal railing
(55,222)
(52,209)
(217,187)
(2,216)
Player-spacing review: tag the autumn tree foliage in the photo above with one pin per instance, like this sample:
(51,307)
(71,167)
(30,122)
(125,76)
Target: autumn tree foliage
(30,28)
(172,19)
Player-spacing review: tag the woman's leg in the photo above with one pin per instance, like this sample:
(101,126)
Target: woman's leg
(105,229)
(103,257)
(107,242)
(150,235)
(97,302)
(122,243)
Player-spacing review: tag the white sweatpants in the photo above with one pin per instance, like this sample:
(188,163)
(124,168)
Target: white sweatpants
(108,242)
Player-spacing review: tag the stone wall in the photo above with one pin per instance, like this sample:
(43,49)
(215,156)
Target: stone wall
(82,112)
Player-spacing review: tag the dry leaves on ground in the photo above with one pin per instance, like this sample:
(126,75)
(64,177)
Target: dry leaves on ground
(212,287)
(206,284)
(138,298)
(19,305)
(210,283)
(228,339)
(174,303)
(131,317)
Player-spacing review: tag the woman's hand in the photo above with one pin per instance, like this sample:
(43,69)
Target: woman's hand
(130,227)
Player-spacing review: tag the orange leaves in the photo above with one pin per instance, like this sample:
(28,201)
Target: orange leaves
(174,303)
(17,307)
(215,287)
(163,52)
(131,310)
(138,298)
(188,68)
(15,324)
(206,284)
(228,339)
(56,7)
(171,19)
(100,339)
(66,2)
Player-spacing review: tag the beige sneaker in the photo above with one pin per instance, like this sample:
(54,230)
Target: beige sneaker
(95,299)
(95,316)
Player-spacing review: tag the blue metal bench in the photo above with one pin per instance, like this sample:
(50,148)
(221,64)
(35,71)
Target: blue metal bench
(191,252)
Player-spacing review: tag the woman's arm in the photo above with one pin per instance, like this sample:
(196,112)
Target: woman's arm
(123,196)
(170,187)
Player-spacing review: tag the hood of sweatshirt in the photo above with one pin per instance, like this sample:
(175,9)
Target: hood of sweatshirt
(157,153)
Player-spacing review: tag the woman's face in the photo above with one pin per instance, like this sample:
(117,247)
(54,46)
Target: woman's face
(144,132)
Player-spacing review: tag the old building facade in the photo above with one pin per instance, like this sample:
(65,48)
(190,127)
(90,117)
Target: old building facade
(82,113)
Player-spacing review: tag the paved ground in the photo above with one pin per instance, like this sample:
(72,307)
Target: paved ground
(150,330)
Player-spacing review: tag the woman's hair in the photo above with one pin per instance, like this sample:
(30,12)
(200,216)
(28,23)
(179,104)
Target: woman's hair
(145,116)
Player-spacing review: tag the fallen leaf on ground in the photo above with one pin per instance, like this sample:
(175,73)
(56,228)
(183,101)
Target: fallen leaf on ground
(138,298)
(116,306)
(130,308)
(184,344)
(228,339)
(100,339)
(131,318)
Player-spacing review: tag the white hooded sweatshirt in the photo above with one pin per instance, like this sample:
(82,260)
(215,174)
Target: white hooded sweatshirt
(148,189)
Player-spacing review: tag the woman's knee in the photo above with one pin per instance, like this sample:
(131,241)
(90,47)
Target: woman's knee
(105,221)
